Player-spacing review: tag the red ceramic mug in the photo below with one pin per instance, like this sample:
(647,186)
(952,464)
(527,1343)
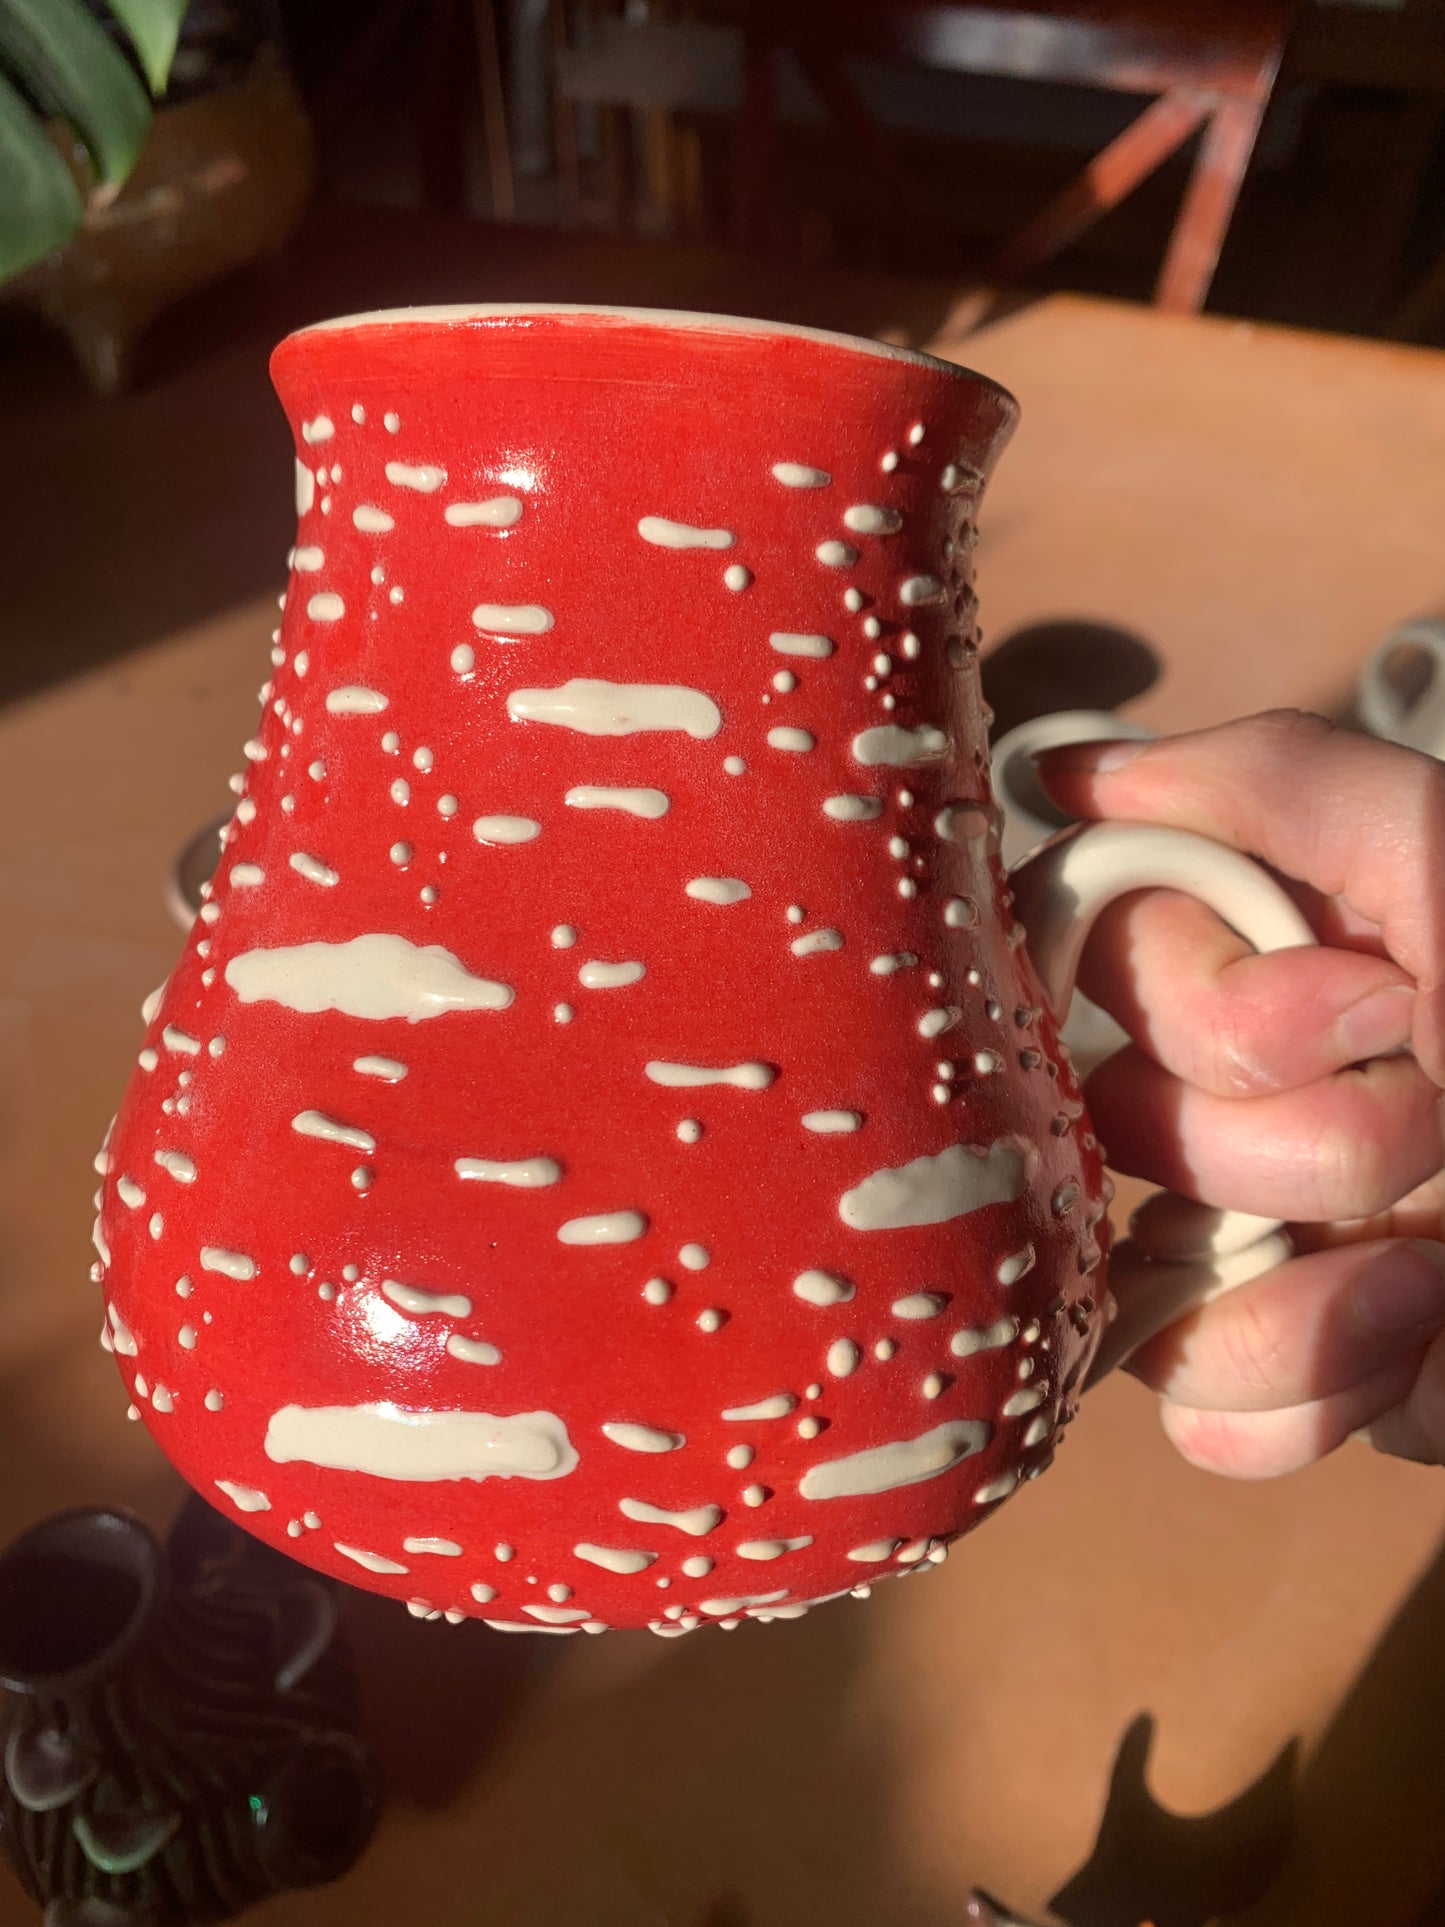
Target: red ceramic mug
(605,1156)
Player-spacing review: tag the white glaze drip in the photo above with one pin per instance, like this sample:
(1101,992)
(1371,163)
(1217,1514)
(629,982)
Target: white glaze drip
(497,512)
(726,1608)
(866,518)
(391,1070)
(822,1288)
(371,1561)
(376,976)
(695,1520)
(609,976)
(936,1189)
(745,1077)
(422,1304)
(634,802)
(603,1228)
(788,643)
(831,1121)
(354,700)
(1012,1268)
(983,1338)
(886,1468)
(177,1165)
(785,736)
(816,942)
(317,1124)
(425,477)
(321,429)
(918,1304)
(776,1405)
(230,1264)
(596,708)
(387,1442)
(326,606)
(852,809)
(800,475)
(875,1551)
(308,560)
(614,1558)
(506,829)
(313,869)
(682,535)
(180,1041)
(472,1351)
(643,1438)
(443,1548)
(558,1615)
(771,1548)
(844,1358)
(721,890)
(836,555)
(917,589)
(892,746)
(524,1172)
(371,520)
(885,966)
(245,1498)
(513,618)
(247,876)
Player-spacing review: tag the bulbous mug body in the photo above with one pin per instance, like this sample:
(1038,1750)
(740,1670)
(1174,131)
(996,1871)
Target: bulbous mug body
(603,1158)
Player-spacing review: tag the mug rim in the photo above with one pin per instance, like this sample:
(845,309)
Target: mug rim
(445,314)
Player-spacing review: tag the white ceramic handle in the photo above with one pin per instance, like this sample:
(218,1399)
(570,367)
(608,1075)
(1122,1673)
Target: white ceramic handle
(1382,707)
(1180,1253)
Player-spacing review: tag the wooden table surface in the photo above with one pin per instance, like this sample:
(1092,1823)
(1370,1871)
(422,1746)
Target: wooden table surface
(1258,506)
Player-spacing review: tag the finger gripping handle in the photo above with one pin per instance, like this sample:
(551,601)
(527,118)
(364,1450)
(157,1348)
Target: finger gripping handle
(1186,1252)
(1059,892)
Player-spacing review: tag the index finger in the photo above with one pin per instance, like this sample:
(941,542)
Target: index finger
(1353,818)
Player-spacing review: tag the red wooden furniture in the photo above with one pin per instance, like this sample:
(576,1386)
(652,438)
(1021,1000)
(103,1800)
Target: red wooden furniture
(1209,67)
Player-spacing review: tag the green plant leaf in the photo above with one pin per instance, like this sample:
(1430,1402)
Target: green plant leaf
(151,27)
(56,49)
(39,203)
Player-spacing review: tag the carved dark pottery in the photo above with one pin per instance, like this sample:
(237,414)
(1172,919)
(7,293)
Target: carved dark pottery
(181,1741)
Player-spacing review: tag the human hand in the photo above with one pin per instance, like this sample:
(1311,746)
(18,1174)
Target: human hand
(1303,1085)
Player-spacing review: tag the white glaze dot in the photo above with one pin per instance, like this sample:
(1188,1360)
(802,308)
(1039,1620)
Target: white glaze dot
(711,1320)
(737,577)
(734,765)
(562,1013)
(689,1130)
(695,1257)
(657,1291)
(464,657)
(884,1349)
(785,682)
(401,853)
(740,1457)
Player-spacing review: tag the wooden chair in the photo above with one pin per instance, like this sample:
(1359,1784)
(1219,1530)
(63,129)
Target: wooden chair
(1208,66)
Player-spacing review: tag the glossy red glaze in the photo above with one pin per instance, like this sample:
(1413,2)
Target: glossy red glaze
(591,423)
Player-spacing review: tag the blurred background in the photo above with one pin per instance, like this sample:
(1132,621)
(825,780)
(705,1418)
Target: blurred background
(1204,242)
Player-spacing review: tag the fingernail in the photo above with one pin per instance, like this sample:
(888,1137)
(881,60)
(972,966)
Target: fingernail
(1087,759)
(1379,1022)
(1402,1290)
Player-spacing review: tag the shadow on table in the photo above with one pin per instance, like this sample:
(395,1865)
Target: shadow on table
(1064,664)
